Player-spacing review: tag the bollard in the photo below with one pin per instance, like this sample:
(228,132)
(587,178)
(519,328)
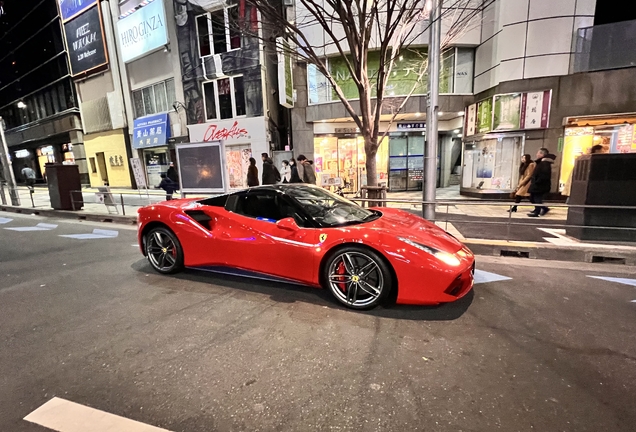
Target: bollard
(2,195)
(121,199)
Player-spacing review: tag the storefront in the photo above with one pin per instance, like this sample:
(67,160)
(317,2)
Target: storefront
(107,159)
(406,157)
(615,133)
(37,156)
(242,138)
(150,138)
(494,143)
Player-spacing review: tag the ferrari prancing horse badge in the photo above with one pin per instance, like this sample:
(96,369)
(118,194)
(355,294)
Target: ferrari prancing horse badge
(323,237)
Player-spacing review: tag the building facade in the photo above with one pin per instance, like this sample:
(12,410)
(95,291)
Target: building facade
(38,102)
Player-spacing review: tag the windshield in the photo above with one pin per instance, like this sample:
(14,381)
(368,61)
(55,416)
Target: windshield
(329,209)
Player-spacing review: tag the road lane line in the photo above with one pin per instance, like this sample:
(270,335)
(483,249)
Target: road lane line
(624,281)
(65,416)
(482,276)
(97,234)
(5,220)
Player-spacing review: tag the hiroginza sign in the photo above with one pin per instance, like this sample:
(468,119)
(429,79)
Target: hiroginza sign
(143,31)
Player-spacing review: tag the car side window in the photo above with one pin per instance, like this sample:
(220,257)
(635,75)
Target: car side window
(267,206)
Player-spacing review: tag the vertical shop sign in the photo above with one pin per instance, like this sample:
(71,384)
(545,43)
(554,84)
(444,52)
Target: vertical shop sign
(484,116)
(507,114)
(285,82)
(85,40)
(535,110)
(471,119)
(138,172)
(625,139)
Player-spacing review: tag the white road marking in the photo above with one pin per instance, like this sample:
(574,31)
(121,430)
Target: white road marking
(38,227)
(485,277)
(97,234)
(563,240)
(624,281)
(65,416)
(5,220)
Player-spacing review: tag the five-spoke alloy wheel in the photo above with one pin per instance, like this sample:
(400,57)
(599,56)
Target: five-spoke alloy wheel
(163,250)
(358,278)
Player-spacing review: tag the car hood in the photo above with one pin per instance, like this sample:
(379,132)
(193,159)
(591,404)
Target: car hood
(400,223)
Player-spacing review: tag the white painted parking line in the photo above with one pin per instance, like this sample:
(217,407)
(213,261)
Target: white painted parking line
(5,220)
(38,227)
(561,239)
(485,277)
(630,282)
(97,234)
(65,416)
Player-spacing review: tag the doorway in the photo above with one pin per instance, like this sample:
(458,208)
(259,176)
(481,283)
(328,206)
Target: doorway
(101,168)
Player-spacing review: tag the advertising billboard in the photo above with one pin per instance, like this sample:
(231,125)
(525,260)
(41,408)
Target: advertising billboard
(85,41)
(71,8)
(143,31)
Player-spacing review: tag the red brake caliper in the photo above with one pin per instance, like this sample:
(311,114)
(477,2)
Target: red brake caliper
(341,271)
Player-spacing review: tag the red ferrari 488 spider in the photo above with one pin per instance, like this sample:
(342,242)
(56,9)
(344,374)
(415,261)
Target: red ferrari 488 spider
(307,235)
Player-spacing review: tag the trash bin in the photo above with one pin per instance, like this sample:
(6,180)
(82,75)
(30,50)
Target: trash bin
(62,181)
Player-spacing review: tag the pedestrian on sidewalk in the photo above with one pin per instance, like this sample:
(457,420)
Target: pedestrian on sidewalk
(294,177)
(541,182)
(252,173)
(309,173)
(172,173)
(286,172)
(167,185)
(29,176)
(271,175)
(525,175)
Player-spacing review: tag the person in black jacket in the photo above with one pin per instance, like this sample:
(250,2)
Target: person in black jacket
(167,185)
(271,175)
(172,173)
(295,178)
(252,173)
(541,181)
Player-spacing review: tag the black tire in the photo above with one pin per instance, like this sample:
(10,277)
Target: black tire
(163,250)
(358,278)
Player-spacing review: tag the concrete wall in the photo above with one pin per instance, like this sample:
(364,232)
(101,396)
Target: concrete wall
(523,39)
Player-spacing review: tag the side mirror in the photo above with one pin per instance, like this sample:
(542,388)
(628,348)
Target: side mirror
(287,224)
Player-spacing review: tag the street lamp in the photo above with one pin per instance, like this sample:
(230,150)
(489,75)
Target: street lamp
(21,105)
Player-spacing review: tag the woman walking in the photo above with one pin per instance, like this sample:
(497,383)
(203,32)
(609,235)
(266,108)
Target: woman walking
(525,175)
(286,172)
(252,173)
(294,177)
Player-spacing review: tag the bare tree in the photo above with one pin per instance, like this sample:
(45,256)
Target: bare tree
(356,28)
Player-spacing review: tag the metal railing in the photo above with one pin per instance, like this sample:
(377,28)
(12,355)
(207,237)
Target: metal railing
(607,46)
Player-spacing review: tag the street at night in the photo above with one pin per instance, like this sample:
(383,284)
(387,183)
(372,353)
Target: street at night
(536,345)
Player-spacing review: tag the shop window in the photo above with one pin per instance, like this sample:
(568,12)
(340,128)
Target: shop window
(224,98)
(156,98)
(219,31)
(492,164)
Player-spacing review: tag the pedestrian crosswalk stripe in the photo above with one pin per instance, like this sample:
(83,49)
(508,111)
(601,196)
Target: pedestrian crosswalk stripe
(485,277)
(38,227)
(96,234)
(631,282)
(65,416)
(5,220)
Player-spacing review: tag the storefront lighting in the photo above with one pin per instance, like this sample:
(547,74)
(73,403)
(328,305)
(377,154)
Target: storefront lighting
(456,131)
(21,105)
(460,113)
(440,113)
(417,114)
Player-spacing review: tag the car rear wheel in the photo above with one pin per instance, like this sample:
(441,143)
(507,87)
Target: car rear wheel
(164,251)
(358,278)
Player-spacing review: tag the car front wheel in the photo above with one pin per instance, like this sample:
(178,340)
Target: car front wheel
(358,278)
(164,251)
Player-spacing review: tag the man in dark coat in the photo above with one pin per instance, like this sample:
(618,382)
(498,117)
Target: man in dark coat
(167,185)
(541,181)
(172,173)
(271,175)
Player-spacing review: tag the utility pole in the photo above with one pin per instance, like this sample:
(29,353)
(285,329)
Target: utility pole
(430,155)
(6,167)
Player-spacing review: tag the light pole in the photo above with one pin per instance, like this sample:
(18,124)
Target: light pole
(430,156)
(6,167)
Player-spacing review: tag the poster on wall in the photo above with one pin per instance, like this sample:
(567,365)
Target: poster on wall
(484,116)
(535,109)
(202,168)
(625,139)
(84,36)
(507,114)
(71,8)
(471,119)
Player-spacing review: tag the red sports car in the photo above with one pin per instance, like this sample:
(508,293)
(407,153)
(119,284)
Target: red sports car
(307,235)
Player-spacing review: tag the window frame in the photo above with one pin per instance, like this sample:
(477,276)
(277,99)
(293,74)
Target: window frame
(151,88)
(226,20)
(216,97)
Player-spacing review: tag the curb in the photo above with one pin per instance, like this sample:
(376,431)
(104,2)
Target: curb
(67,214)
(552,252)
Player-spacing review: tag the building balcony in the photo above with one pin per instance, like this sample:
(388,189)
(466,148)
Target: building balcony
(603,47)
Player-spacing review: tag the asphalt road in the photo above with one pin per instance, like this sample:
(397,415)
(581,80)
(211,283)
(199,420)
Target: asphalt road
(88,321)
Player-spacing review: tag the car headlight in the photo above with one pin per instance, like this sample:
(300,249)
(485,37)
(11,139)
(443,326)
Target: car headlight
(445,257)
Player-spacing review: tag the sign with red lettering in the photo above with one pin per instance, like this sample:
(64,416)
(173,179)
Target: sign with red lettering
(233,131)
